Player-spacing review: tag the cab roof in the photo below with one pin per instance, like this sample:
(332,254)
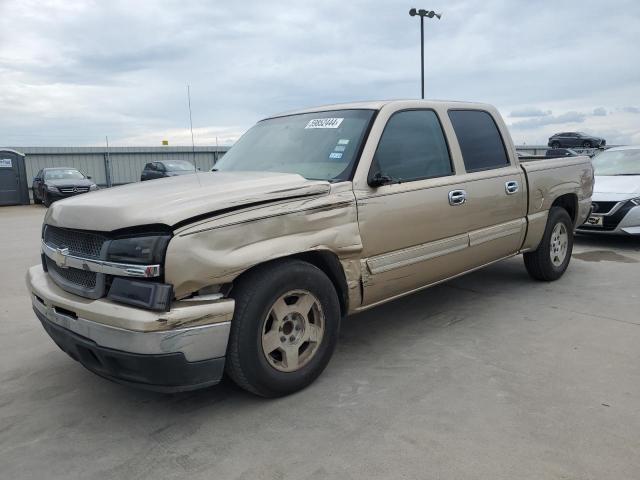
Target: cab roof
(378,104)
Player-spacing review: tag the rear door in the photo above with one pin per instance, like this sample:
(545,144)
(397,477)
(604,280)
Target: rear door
(495,186)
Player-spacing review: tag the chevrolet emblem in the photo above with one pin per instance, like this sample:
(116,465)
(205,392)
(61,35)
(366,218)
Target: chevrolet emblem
(61,257)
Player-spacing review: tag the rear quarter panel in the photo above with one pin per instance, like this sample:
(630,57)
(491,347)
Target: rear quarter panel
(549,179)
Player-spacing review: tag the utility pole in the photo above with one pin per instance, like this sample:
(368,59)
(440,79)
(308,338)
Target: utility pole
(429,14)
(193,145)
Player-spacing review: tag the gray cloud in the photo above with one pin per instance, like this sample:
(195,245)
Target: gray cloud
(599,112)
(631,109)
(569,117)
(82,69)
(530,112)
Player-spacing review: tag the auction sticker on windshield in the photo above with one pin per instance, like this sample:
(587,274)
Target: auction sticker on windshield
(5,163)
(324,123)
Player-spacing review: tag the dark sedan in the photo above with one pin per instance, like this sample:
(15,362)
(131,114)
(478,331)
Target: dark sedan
(575,139)
(51,184)
(166,168)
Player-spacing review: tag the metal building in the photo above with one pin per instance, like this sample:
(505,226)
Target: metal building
(117,165)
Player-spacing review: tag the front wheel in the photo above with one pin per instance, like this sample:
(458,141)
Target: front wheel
(284,328)
(587,144)
(46,200)
(555,144)
(552,257)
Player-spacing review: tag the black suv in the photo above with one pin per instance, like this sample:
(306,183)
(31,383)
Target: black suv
(575,139)
(166,168)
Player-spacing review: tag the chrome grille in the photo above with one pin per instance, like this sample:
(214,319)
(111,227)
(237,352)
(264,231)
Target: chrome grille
(82,278)
(79,243)
(73,189)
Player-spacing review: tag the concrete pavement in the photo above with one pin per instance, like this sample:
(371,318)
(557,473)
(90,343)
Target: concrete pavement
(491,375)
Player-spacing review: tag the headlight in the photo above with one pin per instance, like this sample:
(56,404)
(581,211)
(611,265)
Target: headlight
(52,188)
(635,201)
(148,250)
(93,187)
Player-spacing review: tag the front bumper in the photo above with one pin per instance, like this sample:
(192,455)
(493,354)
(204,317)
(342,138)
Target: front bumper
(619,221)
(179,350)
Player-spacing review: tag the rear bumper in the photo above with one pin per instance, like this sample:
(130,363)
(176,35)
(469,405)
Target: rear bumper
(180,350)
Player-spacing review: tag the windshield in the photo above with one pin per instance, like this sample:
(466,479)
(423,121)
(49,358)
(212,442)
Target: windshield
(63,174)
(178,166)
(318,146)
(617,162)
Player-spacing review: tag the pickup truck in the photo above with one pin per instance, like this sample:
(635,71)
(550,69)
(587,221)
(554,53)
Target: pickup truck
(312,215)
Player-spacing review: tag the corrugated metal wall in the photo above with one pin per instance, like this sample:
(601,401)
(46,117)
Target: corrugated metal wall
(126,163)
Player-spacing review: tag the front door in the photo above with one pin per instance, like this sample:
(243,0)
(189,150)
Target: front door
(412,233)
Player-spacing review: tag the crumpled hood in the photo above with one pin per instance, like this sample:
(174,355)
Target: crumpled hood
(616,188)
(172,200)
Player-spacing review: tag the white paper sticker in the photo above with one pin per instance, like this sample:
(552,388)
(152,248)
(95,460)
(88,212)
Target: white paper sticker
(324,123)
(5,163)
(335,155)
(343,141)
(339,148)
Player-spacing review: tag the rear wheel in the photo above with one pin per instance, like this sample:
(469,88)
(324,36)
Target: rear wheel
(284,329)
(587,144)
(552,257)
(555,144)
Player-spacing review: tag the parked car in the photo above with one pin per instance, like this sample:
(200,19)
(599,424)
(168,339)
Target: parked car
(310,216)
(575,139)
(51,184)
(166,168)
(616,196)
(561,152)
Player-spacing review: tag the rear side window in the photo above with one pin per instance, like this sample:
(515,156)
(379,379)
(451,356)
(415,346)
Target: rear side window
(479,139)
(412,147)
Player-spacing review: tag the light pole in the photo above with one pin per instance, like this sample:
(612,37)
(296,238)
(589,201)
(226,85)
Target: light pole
(423,13)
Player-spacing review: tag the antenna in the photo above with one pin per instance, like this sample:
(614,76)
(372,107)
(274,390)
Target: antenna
(193,145)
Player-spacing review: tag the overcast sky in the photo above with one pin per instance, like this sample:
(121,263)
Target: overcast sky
(74,71)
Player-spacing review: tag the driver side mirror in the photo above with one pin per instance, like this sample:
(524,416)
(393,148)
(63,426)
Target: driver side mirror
(379,179)
(37,179)
(88,177)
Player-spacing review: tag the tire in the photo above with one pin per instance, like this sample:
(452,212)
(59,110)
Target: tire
(271,354)
(46,200)
(539,264)
(555,144)
(36,200)
(586,144)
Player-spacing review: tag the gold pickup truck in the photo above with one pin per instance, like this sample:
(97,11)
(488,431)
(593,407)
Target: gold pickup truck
(312,215)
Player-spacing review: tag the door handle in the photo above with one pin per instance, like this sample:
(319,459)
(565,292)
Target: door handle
(457,197)
(511,187)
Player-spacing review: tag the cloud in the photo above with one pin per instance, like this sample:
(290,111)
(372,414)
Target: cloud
(530,112)
(599,112)
(569,117)
(82,69)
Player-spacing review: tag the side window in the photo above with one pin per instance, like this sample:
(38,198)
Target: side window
(479,139)
(149,166)
(412,147)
